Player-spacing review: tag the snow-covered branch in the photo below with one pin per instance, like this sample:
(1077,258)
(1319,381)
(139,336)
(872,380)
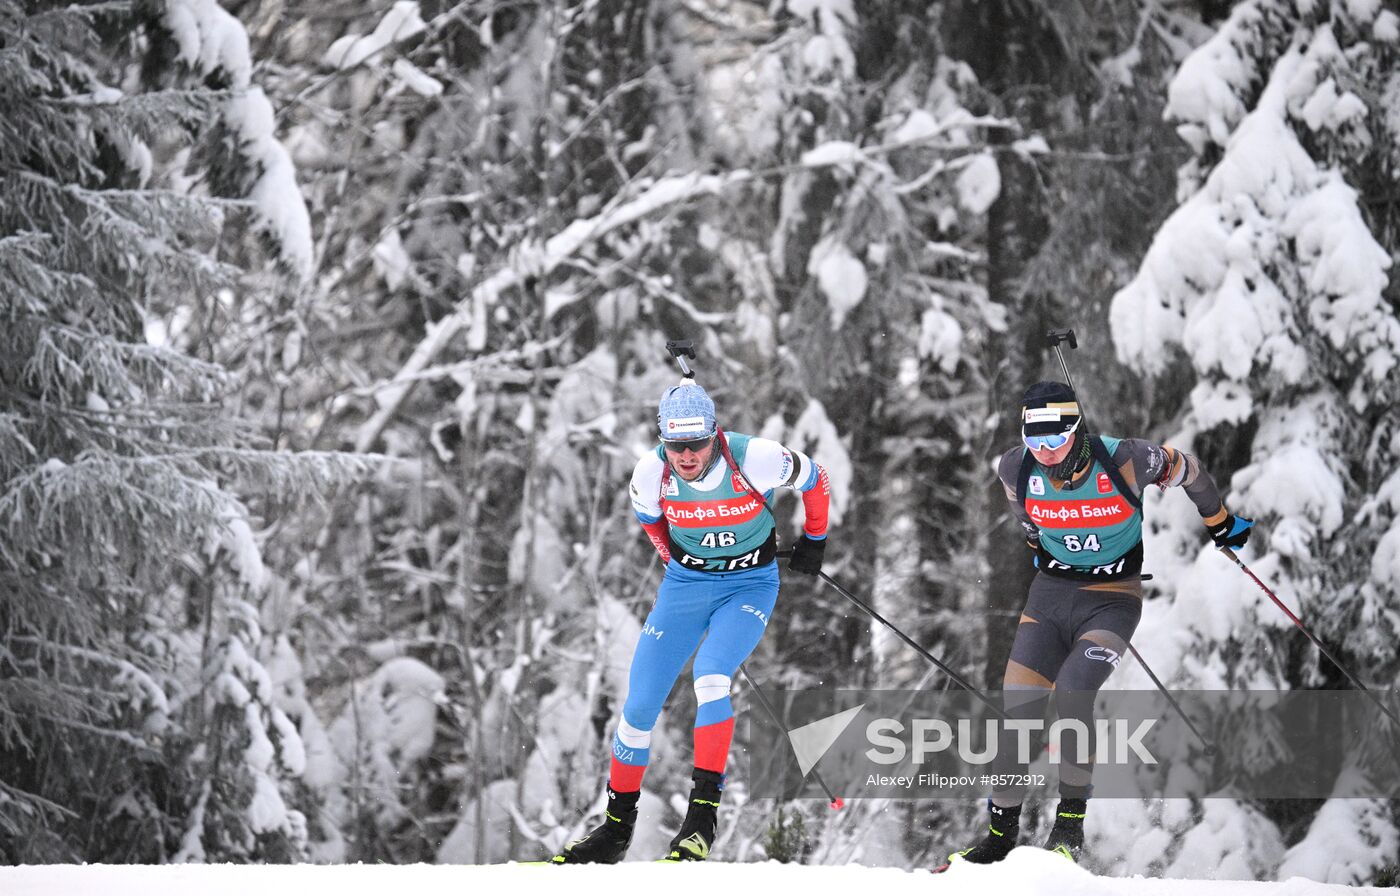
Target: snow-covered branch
(533,261)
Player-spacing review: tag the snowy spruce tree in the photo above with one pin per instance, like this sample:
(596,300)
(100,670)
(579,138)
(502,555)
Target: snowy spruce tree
(1269,287)
(136,154)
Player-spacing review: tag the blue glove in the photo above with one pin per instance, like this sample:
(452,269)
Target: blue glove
(1231,532)
(807,555)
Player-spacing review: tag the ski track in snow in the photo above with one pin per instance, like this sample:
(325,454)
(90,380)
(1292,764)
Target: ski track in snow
(1027,872)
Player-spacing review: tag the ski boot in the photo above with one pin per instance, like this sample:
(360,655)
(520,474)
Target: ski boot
(607,843)
(697,834)
(1067,836)
(1002,829)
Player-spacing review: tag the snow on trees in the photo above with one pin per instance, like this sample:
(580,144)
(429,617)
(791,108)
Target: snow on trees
(120,461)
(1270,279)
(212,42)
(840,202)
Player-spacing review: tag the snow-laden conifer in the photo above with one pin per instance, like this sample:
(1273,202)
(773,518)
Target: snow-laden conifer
(1272,280)
(120,454)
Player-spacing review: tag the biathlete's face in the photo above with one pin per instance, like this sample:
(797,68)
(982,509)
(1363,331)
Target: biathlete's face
(690,458)
(1052,448)
(1049,457)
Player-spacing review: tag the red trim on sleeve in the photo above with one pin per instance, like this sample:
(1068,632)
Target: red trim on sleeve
(659,533)
(816,501)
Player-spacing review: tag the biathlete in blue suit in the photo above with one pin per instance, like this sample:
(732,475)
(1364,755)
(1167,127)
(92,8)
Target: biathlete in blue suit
(1078,497)
(702,498)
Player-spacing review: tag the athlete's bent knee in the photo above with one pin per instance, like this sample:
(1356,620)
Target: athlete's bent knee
(632,736)
(712,687)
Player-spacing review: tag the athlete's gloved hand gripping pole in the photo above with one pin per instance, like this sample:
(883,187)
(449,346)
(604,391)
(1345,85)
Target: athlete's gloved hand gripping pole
(680,349)
(1055,337)
(807,556)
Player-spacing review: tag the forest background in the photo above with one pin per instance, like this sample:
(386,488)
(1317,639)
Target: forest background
(332,333)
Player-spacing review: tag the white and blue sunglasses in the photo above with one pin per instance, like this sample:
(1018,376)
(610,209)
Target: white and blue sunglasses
(1052,441)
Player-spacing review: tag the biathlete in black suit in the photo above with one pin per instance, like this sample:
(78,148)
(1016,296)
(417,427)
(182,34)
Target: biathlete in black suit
(1078,496)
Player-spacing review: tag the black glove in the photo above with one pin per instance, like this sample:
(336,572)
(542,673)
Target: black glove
(1231,532)
(807,555)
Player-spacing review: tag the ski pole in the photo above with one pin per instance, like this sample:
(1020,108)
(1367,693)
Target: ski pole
(1311,637)
(958,679)
(1210,747)
(835,802)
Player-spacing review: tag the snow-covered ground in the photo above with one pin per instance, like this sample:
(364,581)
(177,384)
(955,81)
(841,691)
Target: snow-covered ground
(1027,872)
